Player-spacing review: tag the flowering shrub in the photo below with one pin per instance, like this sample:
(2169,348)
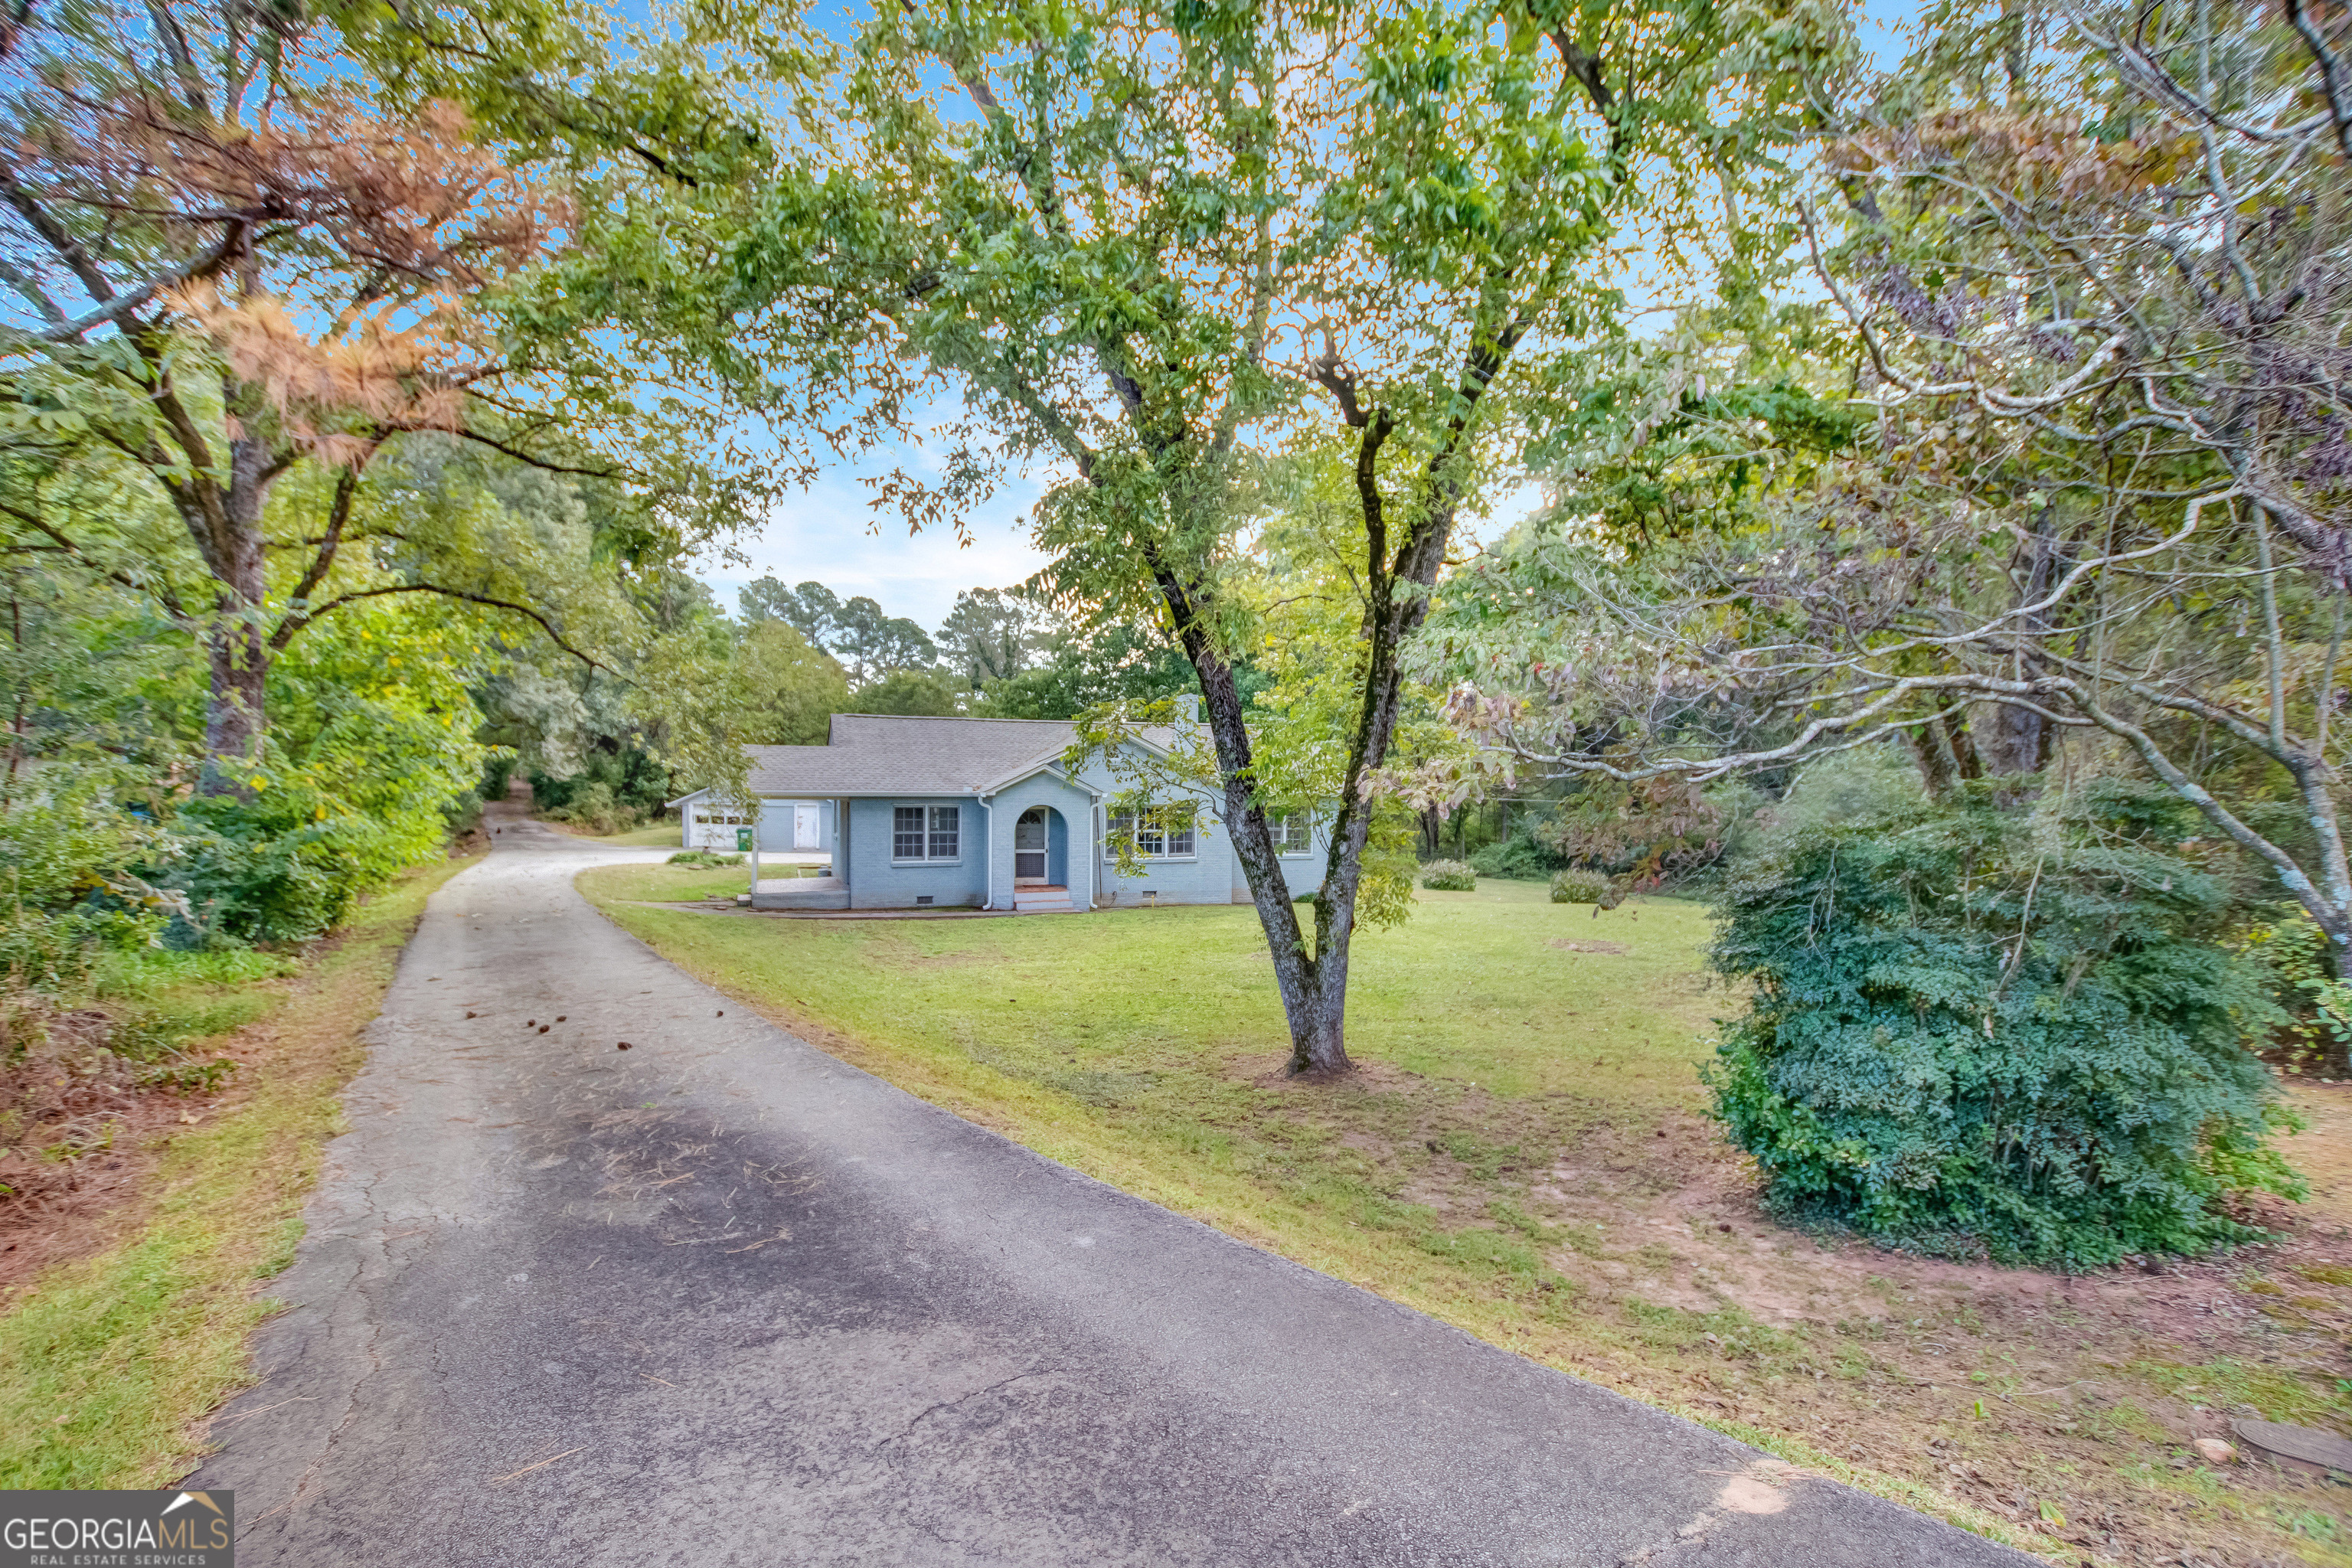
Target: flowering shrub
(1576,886)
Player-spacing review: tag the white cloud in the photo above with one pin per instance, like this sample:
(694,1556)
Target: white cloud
(828,534)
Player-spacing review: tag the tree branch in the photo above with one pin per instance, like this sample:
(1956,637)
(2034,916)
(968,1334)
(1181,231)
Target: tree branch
(293,625)
(2331,74)
(162,592)
(337,514)
(542,464)
(120,305)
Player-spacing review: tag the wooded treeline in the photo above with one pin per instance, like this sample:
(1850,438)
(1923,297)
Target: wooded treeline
(1959,437)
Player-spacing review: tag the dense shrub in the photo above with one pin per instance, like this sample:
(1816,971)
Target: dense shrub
(85,1019)
(2314,1031)
(286,860)
(72,889)
(1449,876)
(269,869)
(612,793)
(1519,857)
(1978,1030)
(704,857)
(461,814)
(591,809)
(1576,886)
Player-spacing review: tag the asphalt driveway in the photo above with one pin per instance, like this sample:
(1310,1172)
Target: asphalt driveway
(719,1298)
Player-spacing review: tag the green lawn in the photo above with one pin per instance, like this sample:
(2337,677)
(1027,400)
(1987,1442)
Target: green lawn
(1524,1153)
(652,835)
(1143,991)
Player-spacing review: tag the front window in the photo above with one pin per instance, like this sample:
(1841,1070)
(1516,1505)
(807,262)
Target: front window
(1294,832)
(926,833)
(1167,832)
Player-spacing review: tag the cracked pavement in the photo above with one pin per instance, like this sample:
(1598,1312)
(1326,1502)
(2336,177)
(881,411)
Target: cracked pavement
(721,1298)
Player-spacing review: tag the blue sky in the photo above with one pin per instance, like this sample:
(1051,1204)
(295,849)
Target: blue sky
(827,533)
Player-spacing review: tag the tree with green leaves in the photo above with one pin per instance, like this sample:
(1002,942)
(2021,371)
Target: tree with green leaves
(2063,454)
(1098,664)
(795,689)
(2045,485)
(1150,240)
(869,640)
(912,693)
(812,609)
(991,634)
(246,281)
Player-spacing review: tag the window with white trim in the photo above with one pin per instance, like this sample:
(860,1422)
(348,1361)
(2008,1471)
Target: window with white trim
(926,833)
(1294,832)
(1163,833)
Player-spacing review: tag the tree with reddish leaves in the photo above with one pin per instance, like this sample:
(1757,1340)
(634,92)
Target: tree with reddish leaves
(233,261)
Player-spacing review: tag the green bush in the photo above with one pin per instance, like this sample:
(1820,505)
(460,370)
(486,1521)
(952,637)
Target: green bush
(267,869)
(499,773)
(613,791)
(1578,885)
(593,808)
(1976,1031)
(2313,1033)
(705,859)
(1519,857)
(1449,876)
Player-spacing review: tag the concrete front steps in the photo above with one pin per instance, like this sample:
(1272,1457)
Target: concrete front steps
(801,893)
(1037,900)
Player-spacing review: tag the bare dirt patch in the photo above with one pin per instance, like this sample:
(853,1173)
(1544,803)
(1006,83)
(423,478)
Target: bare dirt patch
(1616,948)
(2064,1405)
(1365,1077)
(91,1138)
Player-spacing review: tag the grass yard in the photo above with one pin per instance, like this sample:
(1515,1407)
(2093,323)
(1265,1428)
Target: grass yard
(109,1364)
(1524,1153)
(652,835)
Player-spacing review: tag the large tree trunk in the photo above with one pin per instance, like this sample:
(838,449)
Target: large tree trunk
(1314,1013)
(233,711)
(236,643)
(2016,741)
(1314,987)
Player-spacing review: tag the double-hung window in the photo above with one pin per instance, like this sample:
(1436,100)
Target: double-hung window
(1294,832)
(1164,833)
(926,833)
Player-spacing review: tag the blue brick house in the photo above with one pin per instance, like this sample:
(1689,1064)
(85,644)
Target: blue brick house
(980,814)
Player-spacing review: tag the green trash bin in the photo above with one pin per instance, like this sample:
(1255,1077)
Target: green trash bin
(743,841)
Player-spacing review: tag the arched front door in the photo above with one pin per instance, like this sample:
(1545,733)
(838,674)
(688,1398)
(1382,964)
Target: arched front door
(1029,848)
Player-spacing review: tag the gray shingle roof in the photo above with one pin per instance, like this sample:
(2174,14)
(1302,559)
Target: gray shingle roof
(871,754)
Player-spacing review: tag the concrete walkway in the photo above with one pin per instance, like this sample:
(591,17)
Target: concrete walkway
(719,1299)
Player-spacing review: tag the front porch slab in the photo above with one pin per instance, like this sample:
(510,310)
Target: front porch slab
(799,894)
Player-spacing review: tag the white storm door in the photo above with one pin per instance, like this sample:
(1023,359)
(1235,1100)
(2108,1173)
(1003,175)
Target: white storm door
(804,826)
(1029,847)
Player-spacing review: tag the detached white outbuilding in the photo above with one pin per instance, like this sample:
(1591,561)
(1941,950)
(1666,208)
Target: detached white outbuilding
(784,823)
